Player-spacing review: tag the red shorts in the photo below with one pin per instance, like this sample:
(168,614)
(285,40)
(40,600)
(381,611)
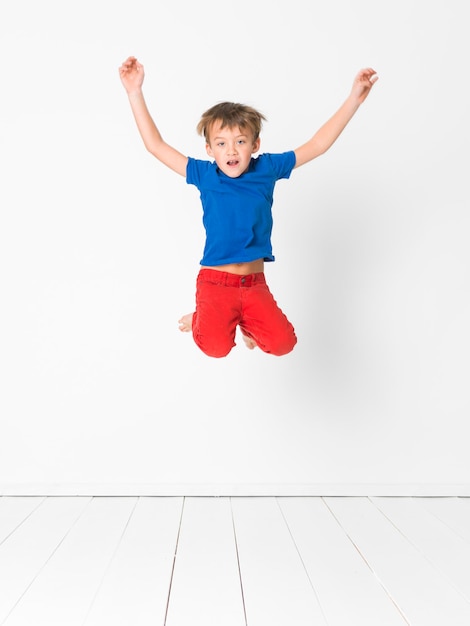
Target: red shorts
(225,301)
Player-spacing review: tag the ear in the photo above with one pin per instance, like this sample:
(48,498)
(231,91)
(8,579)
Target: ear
(209,150)
(256,145)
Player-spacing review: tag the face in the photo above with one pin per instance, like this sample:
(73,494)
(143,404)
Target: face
(231,148)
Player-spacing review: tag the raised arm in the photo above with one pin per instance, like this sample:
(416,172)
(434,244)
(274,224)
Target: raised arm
(132,77)
(325,137)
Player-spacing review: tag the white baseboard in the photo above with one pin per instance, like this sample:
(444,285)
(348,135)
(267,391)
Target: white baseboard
(235,490)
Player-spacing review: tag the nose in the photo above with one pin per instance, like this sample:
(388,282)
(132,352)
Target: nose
(232,148)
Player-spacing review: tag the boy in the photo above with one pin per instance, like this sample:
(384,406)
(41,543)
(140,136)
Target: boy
(237,194)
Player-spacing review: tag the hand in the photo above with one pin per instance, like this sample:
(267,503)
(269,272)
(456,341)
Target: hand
(363,83)
(132,74)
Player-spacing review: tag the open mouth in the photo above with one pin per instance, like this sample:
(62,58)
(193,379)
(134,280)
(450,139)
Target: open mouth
(232,163)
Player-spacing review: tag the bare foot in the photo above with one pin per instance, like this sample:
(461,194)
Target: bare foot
(250,343)
(186,323)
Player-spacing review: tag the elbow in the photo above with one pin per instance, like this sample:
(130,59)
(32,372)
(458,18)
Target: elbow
(155,148)
(320,148)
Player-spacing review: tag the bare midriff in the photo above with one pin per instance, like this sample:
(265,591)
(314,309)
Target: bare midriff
(252,267)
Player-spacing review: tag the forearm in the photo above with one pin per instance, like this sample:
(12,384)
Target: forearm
(151,136)
(327,134)
(325,137)
(149,132)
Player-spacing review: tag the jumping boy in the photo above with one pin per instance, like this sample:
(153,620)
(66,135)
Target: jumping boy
(237,195)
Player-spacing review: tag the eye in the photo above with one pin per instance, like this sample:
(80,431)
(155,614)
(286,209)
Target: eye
(221,144)
(241,141)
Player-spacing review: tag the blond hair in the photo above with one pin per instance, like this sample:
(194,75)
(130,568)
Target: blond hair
(231,114)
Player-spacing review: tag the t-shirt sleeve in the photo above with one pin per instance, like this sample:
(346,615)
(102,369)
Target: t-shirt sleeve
(196,169)
(282,164)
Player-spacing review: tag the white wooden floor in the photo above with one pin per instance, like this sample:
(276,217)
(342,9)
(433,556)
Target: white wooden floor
(358,561)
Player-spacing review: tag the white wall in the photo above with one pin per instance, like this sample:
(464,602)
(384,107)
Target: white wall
(99,250)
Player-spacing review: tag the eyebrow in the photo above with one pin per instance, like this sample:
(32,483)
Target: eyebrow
(236,137)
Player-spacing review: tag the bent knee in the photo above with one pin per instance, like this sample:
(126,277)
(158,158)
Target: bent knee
(214,349)
(280,346)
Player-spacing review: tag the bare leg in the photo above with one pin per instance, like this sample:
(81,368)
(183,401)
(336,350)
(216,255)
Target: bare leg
(186,323)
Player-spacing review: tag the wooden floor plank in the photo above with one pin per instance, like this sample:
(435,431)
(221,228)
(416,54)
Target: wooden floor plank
(276,586)
(303,561)
(63,591)
(206,588)
(135,588)
(28,549)
(348,590)
(454,512)
(424,596)
(448,552)
(14,511)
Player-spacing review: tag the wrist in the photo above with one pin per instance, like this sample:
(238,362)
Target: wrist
(353,102)
(135,92)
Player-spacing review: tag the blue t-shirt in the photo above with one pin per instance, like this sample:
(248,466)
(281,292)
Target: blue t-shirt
(237,212)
